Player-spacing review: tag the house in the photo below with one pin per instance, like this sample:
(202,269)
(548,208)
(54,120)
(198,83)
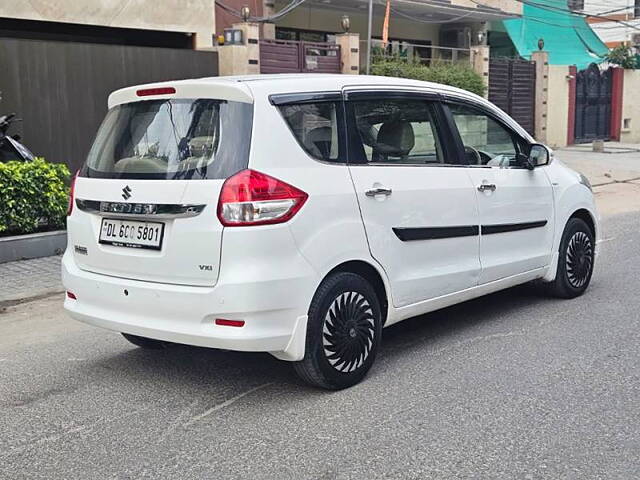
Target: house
(616,22)
(61,58)
(143,22)
(422,29)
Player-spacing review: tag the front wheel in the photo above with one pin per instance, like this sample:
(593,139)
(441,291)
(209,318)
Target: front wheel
(343,333)
(575,260)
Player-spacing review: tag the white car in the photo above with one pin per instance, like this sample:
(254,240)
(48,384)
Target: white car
(300,214)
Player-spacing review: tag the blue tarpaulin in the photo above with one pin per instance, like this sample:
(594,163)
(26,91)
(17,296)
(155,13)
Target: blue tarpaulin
(567,37)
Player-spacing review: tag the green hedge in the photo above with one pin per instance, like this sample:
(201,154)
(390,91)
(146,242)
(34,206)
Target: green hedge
(454,74)
(33,196)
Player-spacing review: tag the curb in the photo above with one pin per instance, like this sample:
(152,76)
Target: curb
(33,245)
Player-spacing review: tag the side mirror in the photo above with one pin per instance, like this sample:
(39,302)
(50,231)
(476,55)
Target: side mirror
(539,155)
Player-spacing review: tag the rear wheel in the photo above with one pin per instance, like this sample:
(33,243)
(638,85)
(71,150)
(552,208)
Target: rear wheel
(343,333)
(575,260)
(145,342)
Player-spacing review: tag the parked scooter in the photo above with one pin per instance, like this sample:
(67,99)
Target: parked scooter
(10,146)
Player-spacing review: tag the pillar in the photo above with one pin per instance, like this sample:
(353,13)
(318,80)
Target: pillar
(241,59)
(541,59)
(617,88)
(480,64)
(268,28)
(350,52)
(571,130)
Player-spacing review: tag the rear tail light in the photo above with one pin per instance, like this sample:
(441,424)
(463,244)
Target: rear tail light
(71,295)
(253,198)
(72,194)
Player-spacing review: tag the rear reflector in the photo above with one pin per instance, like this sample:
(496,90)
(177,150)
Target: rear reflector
(71,295)
(229,323)
(156,91)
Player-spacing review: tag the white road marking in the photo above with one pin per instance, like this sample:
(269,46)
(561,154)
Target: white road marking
(602,240)
(225,404)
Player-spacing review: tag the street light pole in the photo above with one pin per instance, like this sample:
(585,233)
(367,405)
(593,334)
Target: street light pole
(369,37)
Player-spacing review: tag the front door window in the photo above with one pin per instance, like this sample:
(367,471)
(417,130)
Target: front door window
(486,141)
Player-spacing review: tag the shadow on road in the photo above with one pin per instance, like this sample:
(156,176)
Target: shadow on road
(192,369)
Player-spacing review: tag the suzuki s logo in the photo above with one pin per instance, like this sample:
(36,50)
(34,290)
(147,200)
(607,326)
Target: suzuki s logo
(126,192)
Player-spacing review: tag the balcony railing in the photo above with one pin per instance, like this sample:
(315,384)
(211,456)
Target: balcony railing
(424,54)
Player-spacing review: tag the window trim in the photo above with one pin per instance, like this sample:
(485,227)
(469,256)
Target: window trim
(442,129)
(457,138)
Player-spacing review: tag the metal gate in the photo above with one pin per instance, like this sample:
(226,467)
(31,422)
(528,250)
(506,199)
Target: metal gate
(286,56)
(512,87)
(60,89)
(593,104)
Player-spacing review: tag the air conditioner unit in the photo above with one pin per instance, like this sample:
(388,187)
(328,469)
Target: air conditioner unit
(635,39)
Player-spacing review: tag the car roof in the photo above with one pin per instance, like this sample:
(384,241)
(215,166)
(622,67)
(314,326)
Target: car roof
(249,86)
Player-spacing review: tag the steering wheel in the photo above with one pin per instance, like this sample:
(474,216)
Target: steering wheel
(485,157)
(472,155)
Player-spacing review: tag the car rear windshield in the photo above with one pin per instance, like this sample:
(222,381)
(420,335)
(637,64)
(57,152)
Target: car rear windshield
(175,139)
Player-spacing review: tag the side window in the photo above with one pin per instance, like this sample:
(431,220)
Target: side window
(315,126)
(486,142)
(395,132)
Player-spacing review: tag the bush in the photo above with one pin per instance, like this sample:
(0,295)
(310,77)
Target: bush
(454,74)
(623,57)
(33,196)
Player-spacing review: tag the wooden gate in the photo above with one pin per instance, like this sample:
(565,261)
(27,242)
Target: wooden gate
(593,104)
(512,87)
(286,56)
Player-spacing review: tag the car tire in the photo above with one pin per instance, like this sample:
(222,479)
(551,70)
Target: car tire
(575,260)
(344,330)
(143,342)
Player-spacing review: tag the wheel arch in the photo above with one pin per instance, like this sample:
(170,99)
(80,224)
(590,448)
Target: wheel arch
(370,273)
(586,216)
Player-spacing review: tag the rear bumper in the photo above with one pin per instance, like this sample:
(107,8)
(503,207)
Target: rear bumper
(274,311)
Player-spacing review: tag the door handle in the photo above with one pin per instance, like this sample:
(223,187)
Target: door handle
(487,187)
(378,191)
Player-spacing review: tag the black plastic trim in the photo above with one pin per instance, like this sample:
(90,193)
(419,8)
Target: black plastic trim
(381,94)
(511,227)
(307,97)
(435,233)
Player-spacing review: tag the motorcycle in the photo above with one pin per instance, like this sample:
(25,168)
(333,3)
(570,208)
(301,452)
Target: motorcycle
(10,146)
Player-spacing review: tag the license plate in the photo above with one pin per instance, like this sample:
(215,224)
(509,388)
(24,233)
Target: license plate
(131,233)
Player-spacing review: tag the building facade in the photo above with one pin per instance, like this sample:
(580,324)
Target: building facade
(418,26)
(168,23)
(617,21)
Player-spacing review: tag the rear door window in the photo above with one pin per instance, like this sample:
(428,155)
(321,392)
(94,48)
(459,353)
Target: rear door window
(172,139)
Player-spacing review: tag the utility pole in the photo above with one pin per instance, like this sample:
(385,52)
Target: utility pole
(369,37)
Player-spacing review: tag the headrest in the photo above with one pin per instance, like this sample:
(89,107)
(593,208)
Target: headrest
(395,138)
(318,141)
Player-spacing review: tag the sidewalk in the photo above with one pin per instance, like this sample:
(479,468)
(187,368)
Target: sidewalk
(615,174)
(30,278)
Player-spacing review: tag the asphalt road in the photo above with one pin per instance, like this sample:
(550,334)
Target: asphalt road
(514,385)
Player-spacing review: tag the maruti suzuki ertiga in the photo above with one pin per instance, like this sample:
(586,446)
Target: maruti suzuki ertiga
(299,215)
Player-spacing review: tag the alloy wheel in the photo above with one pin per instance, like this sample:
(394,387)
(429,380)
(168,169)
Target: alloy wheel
(579,259)
(348,332)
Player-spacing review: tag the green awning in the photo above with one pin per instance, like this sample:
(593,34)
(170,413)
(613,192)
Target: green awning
(567,37)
